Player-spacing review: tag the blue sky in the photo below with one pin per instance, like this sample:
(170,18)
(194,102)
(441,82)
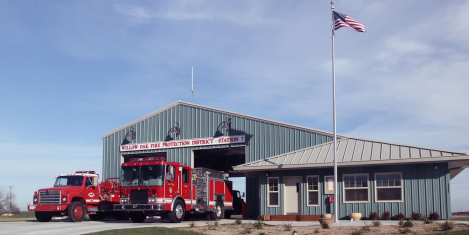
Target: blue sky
(74,70)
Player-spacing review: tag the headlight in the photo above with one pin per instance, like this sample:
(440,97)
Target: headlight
(152,200)
(35,199)
(123,200)
(64,199)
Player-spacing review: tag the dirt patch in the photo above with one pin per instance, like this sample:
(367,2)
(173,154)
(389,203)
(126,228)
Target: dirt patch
(247,228)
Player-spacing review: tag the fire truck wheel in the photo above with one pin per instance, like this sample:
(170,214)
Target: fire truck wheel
(178,212)
(219,212)
(42,217)
(76,211)
(97,216)
(138,217)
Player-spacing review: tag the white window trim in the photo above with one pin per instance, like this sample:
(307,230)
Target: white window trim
(401,187)
(368,188)
(307,191)
(268,192)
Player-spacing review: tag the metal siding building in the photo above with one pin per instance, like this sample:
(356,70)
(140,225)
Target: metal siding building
(283,150)
(264,138)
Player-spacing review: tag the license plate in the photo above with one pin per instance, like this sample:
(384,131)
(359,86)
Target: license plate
(32,207)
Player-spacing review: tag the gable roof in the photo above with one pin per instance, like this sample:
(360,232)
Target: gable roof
(222,112)
(354,152)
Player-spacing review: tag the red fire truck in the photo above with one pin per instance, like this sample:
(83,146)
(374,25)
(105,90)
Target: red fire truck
(152,186)
(75,195)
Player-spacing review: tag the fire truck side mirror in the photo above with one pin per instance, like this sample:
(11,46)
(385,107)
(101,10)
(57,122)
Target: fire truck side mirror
(170,174)
(243,195)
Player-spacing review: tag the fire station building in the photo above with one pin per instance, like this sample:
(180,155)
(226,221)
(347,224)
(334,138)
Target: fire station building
(289,168)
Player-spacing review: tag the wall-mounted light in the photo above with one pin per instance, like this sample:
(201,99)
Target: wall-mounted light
(435,166)
(226,124)
(130,134)
(267,173)
(175,129)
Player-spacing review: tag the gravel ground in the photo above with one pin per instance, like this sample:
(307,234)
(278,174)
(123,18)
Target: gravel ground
(247,228)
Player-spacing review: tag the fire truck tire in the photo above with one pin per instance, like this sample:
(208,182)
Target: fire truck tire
(42,217)
(121,215)
(178,212)
(219,212)
(76,211)
(228,214)
(97,216)
(138,217)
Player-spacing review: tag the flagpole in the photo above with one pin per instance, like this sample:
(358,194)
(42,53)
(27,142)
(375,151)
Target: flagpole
(336,201)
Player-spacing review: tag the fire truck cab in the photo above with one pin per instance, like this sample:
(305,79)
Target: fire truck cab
(152,186)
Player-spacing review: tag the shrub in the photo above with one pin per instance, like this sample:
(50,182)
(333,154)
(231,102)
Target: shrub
(259,224)
(192,224)
(376,223)
(386,215)
(408,224)
(238,221)
(287,226)
(427,221)
(217,223)
(416,216)
(357,233)
(434,216)
(400,216)
(324,226)
(262,233)
(401,222)
(448,225)
(316,231)
(373,216)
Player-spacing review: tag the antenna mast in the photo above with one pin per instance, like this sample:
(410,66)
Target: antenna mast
(192,89)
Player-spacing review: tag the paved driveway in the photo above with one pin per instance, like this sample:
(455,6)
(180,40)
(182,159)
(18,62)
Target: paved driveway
(66,227)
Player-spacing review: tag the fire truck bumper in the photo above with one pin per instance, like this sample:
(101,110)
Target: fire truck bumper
(47,207)
(139,207)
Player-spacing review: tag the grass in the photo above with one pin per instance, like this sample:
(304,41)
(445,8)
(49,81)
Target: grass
(461,219)
(148,230)
(23,216)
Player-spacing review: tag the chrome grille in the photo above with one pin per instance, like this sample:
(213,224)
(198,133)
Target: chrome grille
(49,197)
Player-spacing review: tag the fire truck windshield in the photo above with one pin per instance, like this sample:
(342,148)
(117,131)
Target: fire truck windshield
(152,175)
(69,180)
(130,175)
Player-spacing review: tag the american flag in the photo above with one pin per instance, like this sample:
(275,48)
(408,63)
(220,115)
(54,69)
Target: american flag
(342,20)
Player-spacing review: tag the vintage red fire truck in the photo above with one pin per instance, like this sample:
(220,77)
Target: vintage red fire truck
(152,186)
(75,195)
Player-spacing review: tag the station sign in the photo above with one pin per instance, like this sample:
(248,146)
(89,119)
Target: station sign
(235,139)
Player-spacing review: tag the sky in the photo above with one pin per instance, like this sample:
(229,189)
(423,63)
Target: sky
(72,71)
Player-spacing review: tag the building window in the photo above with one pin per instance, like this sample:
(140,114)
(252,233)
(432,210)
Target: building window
(388,187)
(355,188)
(313,190)
(272,192)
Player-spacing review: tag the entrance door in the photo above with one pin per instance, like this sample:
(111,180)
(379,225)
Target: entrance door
(292,195)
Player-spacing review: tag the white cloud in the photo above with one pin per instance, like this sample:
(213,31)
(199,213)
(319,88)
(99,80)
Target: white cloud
(190,10)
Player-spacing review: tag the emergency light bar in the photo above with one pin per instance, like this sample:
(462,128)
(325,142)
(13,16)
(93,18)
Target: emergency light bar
(86,172)
(147,159)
